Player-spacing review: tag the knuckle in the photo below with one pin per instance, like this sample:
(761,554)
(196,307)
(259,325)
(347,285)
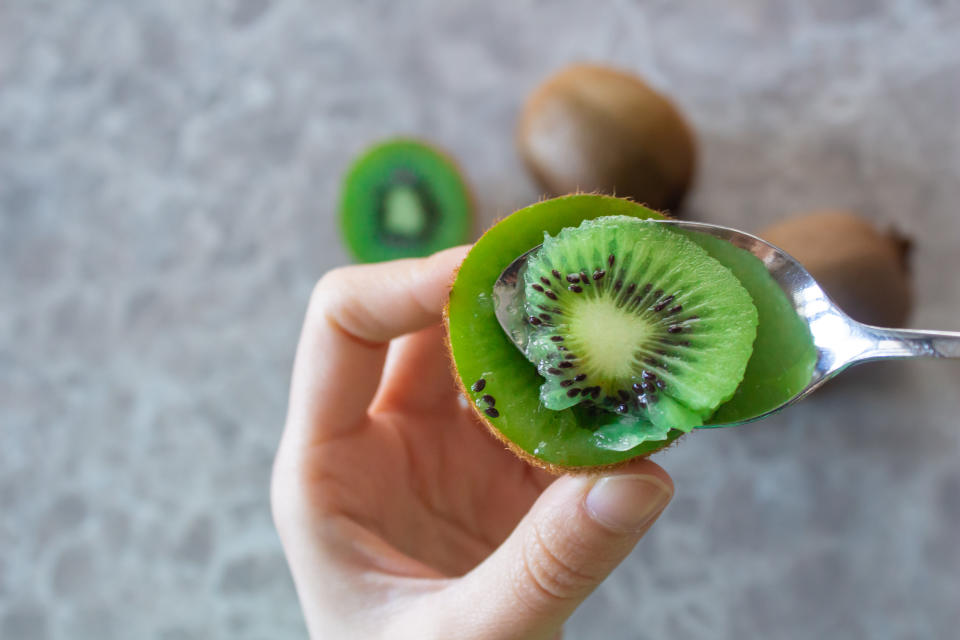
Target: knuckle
(336,298)
(282,493)
(302,489)
(326,286)
(548,573)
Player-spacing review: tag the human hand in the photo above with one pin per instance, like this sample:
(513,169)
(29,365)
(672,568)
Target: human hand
(400,516)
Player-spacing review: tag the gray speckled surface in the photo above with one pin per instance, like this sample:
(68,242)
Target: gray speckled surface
(168,173)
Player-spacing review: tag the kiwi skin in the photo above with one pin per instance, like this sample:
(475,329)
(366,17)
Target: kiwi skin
(594,128)
(865,270)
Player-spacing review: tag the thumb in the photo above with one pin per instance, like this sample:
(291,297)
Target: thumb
(575,534)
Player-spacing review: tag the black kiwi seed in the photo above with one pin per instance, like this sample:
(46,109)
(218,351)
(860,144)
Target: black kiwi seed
(545,316)
(493,413)
(642,401)
(646,375)
(556,274)
(657,293)
(489,399)
(610,260)
(554,371)
(545,281)
(566,383)
(584,277)
(622,408)
(565,364)
(556,338)
(663,303)
(573,277)
(647,288)
(575,288)
(599,273)
(623,395)
(637,387)
(618,285)
(674,328)
(534,320)
(674,310)
(549,294)
(562,348)
(536,287)
(660,384)
(580,377)
(573,393)
(570,356)
(479,385)
(631,288)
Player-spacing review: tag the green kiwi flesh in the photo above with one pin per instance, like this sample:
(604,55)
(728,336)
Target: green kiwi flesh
(631,317)
(784,355)
(488,364)
(401,199)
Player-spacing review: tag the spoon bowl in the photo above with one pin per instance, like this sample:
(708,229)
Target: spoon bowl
(840,340)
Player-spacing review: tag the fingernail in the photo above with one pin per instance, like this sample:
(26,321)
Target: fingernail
(627,502)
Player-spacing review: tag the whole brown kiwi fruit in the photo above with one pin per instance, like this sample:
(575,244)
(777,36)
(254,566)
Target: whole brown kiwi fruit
(591,128)
(865,270)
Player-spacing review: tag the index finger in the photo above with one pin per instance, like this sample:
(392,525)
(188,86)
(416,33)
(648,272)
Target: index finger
(353,314)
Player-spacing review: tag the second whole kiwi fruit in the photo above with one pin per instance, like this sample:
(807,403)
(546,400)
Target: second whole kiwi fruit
(863,268)
(592,128)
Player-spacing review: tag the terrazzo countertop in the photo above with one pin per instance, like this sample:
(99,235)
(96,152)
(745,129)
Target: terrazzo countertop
(168,176)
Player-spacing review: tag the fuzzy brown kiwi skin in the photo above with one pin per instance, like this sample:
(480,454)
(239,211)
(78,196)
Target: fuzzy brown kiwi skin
(864,269)
(532,460)
(618,136)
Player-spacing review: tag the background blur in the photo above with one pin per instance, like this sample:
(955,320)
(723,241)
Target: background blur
(168,179)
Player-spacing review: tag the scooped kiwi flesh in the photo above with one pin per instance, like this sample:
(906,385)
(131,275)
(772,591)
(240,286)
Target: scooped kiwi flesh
(632,318)
(750,348)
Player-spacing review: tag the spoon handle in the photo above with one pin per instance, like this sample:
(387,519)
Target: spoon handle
(907,343)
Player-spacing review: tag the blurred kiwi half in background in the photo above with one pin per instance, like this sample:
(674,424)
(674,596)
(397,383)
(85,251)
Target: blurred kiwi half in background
(403,198)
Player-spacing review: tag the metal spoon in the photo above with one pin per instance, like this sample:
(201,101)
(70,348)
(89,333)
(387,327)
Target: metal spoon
(840,340)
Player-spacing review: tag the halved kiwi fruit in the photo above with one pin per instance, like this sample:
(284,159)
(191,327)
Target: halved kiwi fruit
(401,199)
(864,269)
(701,353)
(594,128)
